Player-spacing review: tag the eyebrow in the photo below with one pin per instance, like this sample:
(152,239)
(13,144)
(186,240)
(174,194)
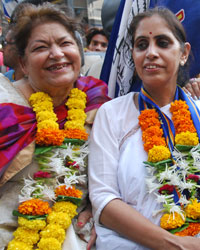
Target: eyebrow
(156,37)
(59,39)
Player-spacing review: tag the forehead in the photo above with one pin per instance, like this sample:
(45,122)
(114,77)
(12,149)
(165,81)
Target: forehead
(99,38)
(154,26)
(49,29)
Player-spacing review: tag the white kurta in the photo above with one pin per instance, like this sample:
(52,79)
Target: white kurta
(116,168)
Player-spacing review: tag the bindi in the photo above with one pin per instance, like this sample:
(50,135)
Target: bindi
(150,33)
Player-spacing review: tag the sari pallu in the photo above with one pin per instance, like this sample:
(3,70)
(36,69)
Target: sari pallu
(18,122)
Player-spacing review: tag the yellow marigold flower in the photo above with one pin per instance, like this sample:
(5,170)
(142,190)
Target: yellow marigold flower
(34,207)
(154,141)
(77,93)
(79,124)
(46,115)
(47,137)
(158,153)
(49,244)
(53,231)
(187,138)
(193,210)
(76,134)
(65,207)
(27,236)
(76,114)
(168,221)
(18,245)
(46,124)
(71,191)
(43,106)
(59,218)
(31,224)
(39,97)
(75,103)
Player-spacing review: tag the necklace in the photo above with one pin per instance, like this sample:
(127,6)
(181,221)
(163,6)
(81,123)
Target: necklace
(49,200)
(176,172)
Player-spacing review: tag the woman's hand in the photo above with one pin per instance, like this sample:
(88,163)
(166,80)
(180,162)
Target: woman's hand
(193,88)
(84,217)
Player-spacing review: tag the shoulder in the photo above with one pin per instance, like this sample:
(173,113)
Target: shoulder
(120,102)
(9,74)
(8,92)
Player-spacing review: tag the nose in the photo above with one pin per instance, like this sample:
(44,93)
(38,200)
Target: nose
(98,47)
(56,52)
(152,51)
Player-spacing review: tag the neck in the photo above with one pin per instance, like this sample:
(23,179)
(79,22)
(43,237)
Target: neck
(58,95)
(162,96)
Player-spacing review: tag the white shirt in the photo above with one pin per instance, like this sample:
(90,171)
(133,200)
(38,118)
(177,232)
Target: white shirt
(116,168)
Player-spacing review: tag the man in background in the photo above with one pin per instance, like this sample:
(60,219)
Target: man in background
(96,40)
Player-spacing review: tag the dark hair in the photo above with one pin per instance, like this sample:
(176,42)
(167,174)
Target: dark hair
(93,32)
(32,15)
(176,28)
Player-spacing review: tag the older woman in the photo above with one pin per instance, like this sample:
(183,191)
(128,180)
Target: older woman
(129,189)
(50,58)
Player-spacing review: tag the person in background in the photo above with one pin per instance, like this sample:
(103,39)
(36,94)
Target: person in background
(96,40)
(50,58)
(126,210)
(11,56)
(3,68)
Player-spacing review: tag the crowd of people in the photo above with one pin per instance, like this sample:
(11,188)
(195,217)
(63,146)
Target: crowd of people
(44,55)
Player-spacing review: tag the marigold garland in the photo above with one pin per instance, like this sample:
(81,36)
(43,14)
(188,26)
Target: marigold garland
(34,207)
(192,230)
(71,191)
(158,152)
(171,221)
(48,132)
(49,233)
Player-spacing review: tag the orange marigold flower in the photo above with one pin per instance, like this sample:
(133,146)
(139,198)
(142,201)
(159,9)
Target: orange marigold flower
(71,191)
(181,117)
(148,118)
(192,230)
(34,207)
(178,104)
(152,131)
(154,141)
(47,137)
(183,124)
(76,134)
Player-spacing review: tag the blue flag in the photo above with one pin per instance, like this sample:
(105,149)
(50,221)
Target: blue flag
(188,12)
(8,7)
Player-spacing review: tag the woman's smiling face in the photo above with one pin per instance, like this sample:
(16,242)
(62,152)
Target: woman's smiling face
(52,58)
(156,53)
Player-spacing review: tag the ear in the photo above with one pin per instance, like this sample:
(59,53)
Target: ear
(185,54)
(22,64)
